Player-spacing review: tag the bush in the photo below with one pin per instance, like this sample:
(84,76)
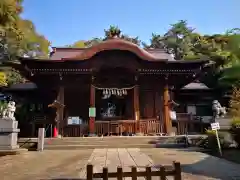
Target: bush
(235,130)
(211,141)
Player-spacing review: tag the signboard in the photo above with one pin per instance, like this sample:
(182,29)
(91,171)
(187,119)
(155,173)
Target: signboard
(173,115)
(41,134)
(191,110)
(92,112)
(74,120)
(215,126)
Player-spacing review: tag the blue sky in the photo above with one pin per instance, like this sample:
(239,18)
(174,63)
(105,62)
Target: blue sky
(66,21)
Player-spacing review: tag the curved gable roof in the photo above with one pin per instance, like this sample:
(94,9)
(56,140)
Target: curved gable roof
(115,44)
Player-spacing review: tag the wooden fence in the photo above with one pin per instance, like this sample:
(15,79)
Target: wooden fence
(184,125)
(147,127)
(134,174)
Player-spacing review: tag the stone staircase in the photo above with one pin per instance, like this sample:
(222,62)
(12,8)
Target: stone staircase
(73,143)
(100,142)
(113,142)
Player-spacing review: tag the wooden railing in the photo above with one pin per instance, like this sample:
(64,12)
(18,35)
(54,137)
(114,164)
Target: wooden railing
(75,130)
(185,124)
(119,127)
(134,174)
(151,126)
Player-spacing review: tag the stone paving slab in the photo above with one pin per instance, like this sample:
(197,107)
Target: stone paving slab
(44,165)
(196,165)
(71,164)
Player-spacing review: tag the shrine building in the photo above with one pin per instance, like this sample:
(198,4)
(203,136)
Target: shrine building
(111,88)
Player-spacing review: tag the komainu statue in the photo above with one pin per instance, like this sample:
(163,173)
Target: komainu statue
(9,111)
(218,110)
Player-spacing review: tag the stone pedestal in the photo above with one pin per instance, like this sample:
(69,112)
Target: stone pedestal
(8,134)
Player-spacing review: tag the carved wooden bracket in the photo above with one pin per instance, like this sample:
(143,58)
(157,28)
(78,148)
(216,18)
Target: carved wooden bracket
(56,105)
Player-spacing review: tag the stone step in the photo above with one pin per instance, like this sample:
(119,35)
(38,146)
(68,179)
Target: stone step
(93,146)
(102,141)
(112,142)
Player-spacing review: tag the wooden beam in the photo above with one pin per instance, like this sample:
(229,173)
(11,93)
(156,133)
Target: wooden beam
(167,120)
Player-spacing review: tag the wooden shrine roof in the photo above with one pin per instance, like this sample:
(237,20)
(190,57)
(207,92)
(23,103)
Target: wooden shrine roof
(78,61)
(65,54)
(111,44)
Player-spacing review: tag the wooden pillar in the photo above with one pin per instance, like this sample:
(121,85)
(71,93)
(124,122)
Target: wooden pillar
(60,111)
(167,120)
(92,105)
(136,108)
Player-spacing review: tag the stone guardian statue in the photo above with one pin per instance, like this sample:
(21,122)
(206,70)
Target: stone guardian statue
(9,111)
(217,109)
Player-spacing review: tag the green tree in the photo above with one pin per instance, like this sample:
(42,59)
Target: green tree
(111,32)
(177,40)
(93,42)
(134,40)
(230,74)
(13,77)
(184,43)
(32,41)
(18,37)
(9,12)
(78,44)
(156,42)
(115,32)
(235,102)
(3,79)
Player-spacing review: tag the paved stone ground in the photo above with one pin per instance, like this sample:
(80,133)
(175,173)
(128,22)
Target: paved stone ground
(44,165)
(196,165)
(71,164)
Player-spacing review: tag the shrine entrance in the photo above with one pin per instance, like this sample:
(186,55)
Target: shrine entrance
(114,94)
(114,104)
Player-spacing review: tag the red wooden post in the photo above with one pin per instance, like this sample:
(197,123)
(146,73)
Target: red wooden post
(136,108)
(167,120)
(92,105)
(59,113)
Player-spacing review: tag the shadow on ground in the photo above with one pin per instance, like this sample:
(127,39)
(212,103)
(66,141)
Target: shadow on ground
(210,167)
(214,168)
(199,167)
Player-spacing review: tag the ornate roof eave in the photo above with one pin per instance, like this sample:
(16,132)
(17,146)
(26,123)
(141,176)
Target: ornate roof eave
(198,61)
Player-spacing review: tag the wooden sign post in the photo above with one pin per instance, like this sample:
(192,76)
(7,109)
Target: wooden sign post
(215,127)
